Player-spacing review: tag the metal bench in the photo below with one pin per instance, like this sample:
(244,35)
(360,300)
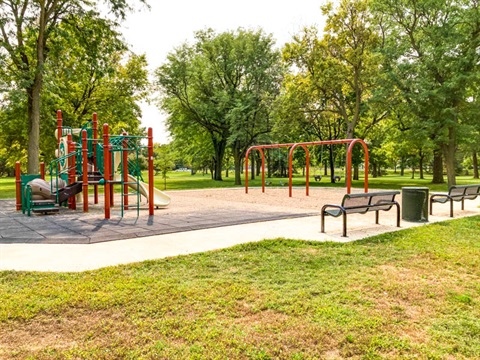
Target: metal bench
(361,204)
(455,193)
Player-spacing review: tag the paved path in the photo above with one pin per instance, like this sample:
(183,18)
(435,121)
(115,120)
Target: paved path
(78,242)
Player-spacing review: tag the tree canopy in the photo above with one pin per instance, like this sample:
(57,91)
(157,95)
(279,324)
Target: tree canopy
(223,85)
(30,31)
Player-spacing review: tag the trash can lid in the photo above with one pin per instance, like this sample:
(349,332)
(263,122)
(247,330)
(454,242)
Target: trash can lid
(414,188)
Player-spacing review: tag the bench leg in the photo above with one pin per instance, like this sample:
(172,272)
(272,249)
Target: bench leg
(344,215)
(322,222)
(431,206)
(463,204)
(398,214)
(451,207)
(376,216)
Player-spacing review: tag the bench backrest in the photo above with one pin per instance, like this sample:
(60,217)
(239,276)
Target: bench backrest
(361,203)
(464,191)
(472,191)
(383,201)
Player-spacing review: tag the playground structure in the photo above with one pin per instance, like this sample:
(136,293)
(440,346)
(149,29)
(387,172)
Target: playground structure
(90,161)
(304,145)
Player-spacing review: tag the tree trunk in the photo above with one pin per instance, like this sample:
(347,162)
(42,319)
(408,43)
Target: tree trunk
(413,172)
(475,165)
(237,159)
(356,172)
(374,170)
(437,167)
(33,96)
(332,164)
(252,168)
(33,111)
(219,147)
(449,156)
(269,165)
(420,162)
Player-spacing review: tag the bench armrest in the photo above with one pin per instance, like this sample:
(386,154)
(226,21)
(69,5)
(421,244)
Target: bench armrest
(336,210)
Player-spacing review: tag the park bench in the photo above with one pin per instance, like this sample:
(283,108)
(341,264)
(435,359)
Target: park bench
(361,204)
(455,193)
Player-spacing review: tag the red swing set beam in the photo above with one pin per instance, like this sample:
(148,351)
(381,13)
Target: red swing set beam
(305,145)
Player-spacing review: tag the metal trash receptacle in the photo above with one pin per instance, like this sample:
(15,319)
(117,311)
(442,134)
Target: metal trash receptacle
(415,204)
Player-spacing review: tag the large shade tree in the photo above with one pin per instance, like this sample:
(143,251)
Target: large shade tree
(334,76)
(222,85)
(352,63)
(28,30)
(432,51)
(90,69)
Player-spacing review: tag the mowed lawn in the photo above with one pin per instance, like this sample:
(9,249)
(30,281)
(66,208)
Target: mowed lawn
(409,294)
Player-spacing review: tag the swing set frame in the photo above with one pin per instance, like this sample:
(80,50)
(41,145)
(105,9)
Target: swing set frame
(304,146)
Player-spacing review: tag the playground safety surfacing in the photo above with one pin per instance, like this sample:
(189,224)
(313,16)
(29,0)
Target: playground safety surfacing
(78,228)
(186,213)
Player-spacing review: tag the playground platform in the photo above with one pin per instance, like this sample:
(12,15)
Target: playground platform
(77,241)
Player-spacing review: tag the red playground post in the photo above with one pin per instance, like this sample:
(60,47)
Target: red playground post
(94,142)
(150,171)
(18,185)
(85,170)
(106,172)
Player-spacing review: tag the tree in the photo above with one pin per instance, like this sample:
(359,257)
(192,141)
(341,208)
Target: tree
(432,52)
(163,161)
(28,29)
(225,85)
(307,102)
(90,70)
(333,78)
(351,40)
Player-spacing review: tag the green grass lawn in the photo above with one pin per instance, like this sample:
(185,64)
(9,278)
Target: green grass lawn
(409,294)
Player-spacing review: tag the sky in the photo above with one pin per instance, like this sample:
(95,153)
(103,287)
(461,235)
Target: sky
(168,24)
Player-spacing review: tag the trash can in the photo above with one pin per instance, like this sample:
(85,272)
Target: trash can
(415,204)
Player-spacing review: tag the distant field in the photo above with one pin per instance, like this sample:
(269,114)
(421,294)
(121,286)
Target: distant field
(183,180)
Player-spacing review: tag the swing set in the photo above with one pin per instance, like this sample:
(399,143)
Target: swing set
(292,146)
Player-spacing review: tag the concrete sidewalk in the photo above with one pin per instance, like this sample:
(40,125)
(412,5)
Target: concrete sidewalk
(81,257)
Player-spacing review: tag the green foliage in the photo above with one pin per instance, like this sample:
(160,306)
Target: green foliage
(163,161)
(221,88)
(432,59)
(88,69)
(30,32)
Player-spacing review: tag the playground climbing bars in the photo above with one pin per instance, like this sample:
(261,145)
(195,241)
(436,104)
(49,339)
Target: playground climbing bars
(304,145)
